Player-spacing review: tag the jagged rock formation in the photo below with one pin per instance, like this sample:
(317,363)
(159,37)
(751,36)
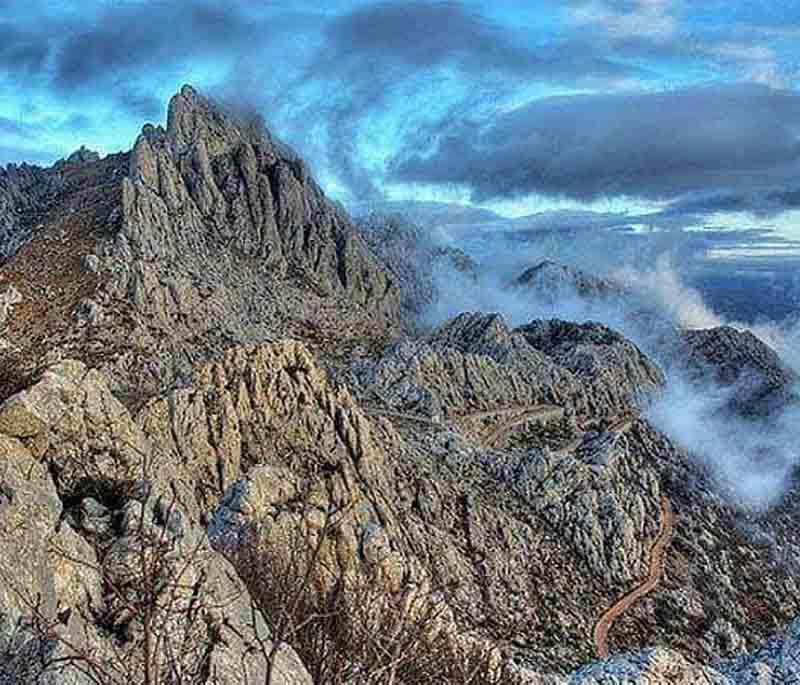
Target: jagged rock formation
(476,363)
(50,270)
(776,662)
(728,357)
(28,192)
(78,504)
(209,233)
(25,192)
(551,282)
(82,155)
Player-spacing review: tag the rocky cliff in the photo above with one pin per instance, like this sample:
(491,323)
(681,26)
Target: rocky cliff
(209,233)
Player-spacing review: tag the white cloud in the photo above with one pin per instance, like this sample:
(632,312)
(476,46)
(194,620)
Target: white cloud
(653,19)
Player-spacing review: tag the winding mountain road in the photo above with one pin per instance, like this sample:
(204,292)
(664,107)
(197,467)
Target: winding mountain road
(657,559)
(543,412)
(509,418)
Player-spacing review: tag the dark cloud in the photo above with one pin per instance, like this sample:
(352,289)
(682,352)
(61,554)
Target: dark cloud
(648,145)
(759,202)
(122,49)
(420,35)
(22,50)
(127,39)
(370,56)
(336,83)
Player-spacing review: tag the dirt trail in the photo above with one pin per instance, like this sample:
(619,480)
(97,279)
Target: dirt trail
(657,558)
(514,417)
(405,417)
(541,412)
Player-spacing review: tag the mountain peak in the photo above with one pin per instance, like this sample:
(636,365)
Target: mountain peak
(209,233)
(192,117)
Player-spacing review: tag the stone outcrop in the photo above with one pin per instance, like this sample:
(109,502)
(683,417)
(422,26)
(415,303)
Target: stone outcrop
(279,446)
(270,412)
(9,297)
(210,233)
(550,282)
(650,666)
(25,192)
(216,213)
(81,502)
(476,363)
(760,382)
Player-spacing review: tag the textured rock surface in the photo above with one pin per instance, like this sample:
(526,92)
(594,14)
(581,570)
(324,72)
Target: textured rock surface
(25,192)
(650,666)
(76,508)
(209,233)
(218,219)
(760,382)
(476,363)
(550,282)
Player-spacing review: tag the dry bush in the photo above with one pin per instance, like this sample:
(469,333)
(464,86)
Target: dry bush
(151,628)
(354,632)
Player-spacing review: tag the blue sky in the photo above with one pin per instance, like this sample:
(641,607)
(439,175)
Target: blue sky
(686,113)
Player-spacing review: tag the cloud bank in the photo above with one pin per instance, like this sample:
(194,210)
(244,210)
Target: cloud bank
(655,146)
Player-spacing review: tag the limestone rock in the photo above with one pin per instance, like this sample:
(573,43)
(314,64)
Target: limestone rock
(74,542)
(651,666)
(25,191)
(207,184)
(207,347)
(777,662)
(476,363)
(83,155)
(550,282)
(208,234)
(612,371)
(8,298)
(760,382)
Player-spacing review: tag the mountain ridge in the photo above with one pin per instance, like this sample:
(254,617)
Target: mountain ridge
(195,319)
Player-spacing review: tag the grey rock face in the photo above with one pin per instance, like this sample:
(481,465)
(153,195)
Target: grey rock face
(729,357)
(73,545)
(83,155)
(210,233)
(777,662)
(654,666)
(475,362)
(595,354)
(9,297)
(416,508)
(551,282)
(207,187)
(25,192)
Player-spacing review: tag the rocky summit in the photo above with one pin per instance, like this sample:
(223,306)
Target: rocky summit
(234,450)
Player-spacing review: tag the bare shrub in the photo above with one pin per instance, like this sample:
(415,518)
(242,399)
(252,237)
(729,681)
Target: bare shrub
(353,631)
